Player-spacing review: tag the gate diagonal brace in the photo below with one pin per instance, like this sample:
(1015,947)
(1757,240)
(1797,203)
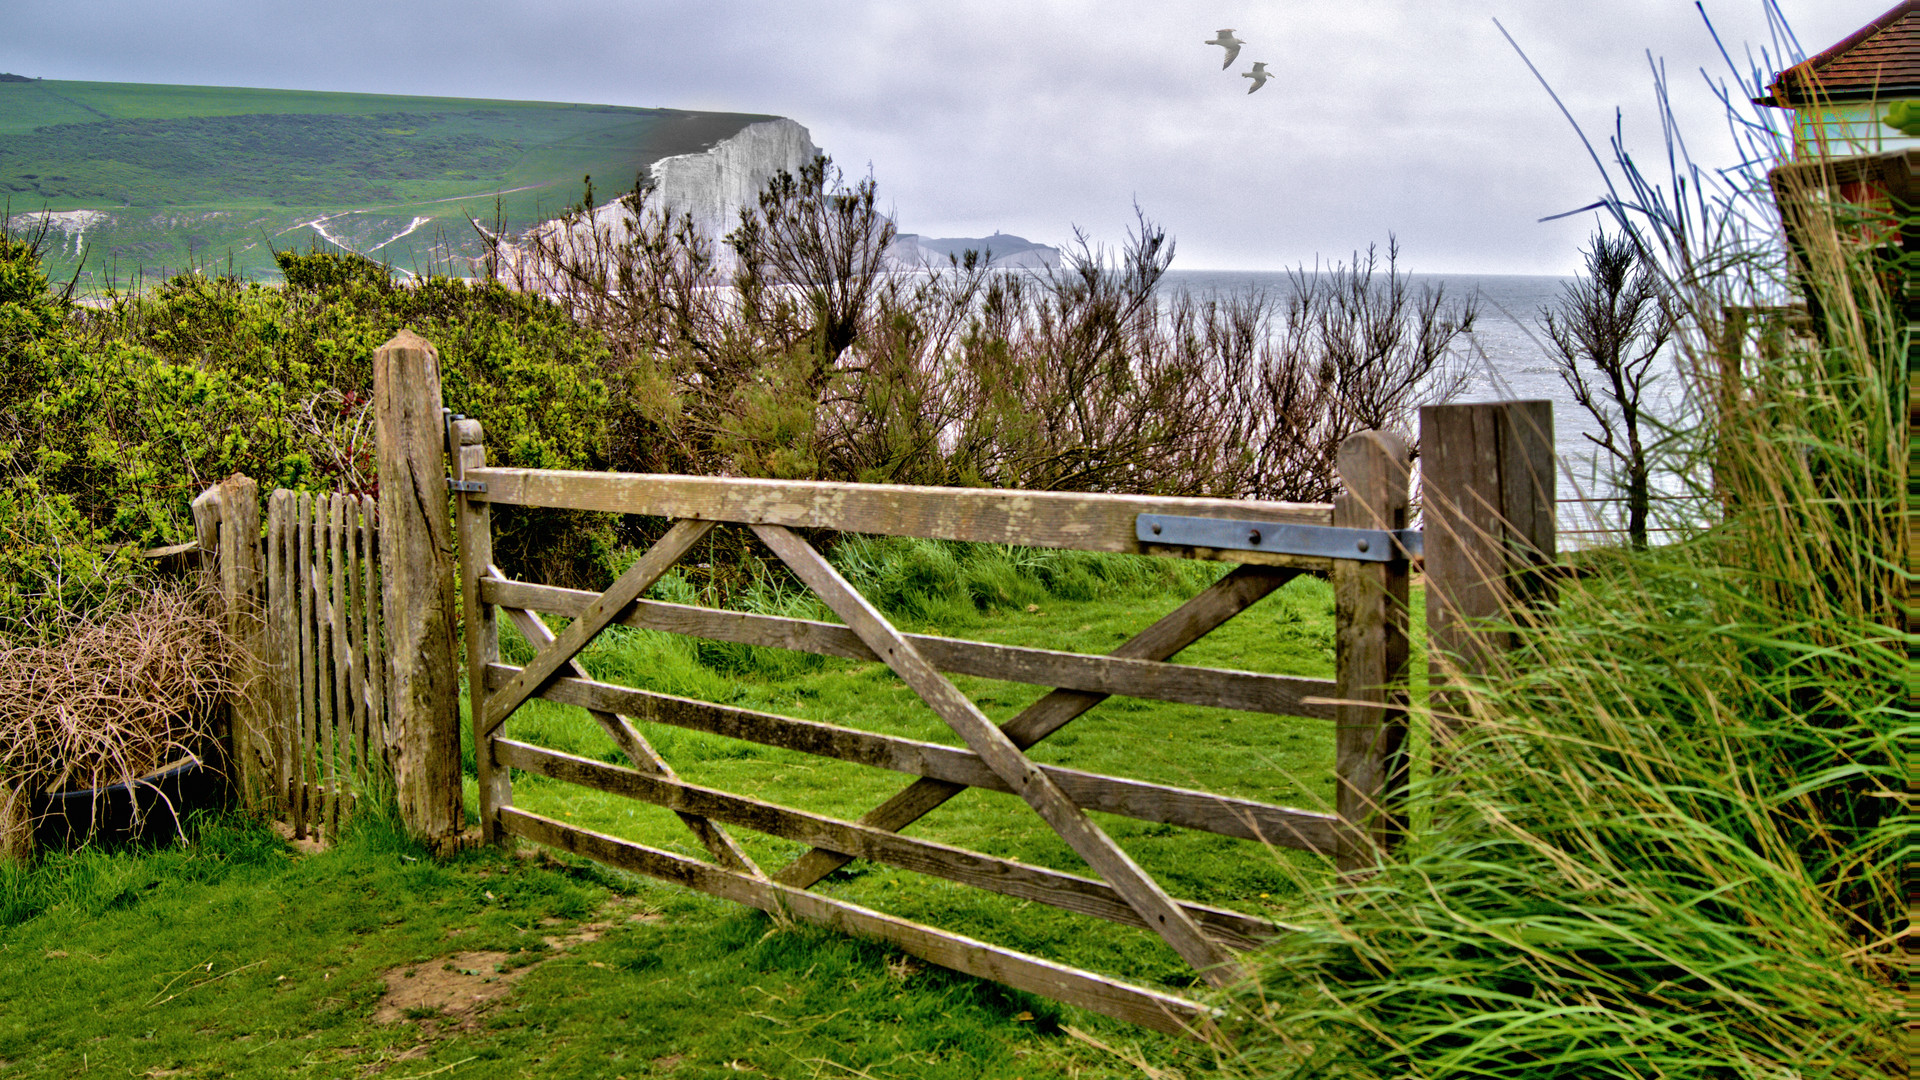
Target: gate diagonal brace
(1188,623)
(632,743)
(1325,541)
(1141,892)
(599,615)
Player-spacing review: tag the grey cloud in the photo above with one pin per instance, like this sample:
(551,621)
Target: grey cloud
(1034,116)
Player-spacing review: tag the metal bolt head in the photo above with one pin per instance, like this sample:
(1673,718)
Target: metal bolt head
(1361,544)
(1156,528)
(1253,536)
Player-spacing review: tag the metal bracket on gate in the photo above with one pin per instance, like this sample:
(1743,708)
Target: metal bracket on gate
(1325,541)
(471,487)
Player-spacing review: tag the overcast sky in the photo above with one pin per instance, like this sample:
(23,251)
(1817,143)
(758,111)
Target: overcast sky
(1033,116)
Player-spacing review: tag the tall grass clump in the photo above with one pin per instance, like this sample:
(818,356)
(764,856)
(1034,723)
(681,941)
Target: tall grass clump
(1665,841)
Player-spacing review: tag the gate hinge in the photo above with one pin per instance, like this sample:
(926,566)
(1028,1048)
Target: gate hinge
(1325,541)
(471,487)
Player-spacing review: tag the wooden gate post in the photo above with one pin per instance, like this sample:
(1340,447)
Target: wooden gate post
(416,555)
(251,754)
(1370,653)
(1488,516)
(482,627)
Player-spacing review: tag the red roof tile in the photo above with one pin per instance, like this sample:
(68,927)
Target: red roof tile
(1879,60)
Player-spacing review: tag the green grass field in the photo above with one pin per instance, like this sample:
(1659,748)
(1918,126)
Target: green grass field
(151,179)
(601,974)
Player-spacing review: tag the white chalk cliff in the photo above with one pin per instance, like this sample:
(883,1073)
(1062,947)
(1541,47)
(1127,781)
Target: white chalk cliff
(710,187)
(713,185)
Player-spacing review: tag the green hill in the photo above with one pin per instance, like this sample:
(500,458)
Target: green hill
(154,179)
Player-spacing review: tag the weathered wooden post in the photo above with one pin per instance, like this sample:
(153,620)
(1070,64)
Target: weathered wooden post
(206,534)
(1370,652)
(416,555)
(482,627)
(251,754)
(1488,516)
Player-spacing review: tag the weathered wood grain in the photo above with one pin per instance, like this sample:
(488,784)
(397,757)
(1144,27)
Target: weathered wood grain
(474,520)
(1148,1008)
(1102,675)
(635,746)
(280,671)
(355,615)
(1207,812)
(303,584)
(242,587)
(1067,891)
(1487,491)
(626,588)
(205,509)
(416,557)
(1370,653)
(379,731)
(1215,963)
(340,756)
(1086,522)
(1232,594)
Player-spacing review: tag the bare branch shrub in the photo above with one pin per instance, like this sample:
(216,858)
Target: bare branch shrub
(114,699)
(1606,329)
(809,359)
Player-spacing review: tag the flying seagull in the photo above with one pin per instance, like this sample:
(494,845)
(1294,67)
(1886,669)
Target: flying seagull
(1259,75)
(1226,40)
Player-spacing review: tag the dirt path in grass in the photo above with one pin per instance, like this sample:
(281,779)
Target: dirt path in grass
(451,993)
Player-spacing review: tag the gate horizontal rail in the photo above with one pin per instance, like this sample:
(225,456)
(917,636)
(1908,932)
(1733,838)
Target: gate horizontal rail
(1161,804)
(1247,691)
(1082,521)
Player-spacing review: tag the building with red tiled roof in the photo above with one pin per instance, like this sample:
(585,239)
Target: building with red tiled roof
(1862,95)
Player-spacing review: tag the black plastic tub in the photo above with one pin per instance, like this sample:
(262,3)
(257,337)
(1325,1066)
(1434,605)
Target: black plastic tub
(148,808)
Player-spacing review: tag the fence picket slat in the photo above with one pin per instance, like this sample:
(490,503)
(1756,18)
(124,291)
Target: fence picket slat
(277,650)
(356,647)
(302,575)
(342,700)
(377,733)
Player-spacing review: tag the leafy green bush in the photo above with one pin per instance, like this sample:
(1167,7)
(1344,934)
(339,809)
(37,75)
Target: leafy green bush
(132,410)
(55,566)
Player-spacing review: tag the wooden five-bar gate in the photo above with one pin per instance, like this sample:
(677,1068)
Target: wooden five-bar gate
(1362,701)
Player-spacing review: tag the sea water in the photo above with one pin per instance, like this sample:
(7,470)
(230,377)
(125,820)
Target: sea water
(1507,357)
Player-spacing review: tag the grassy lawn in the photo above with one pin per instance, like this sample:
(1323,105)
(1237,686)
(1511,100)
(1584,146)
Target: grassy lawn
(235,957)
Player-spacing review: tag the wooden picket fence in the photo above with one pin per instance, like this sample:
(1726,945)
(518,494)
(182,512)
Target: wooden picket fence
(310,732)
(325,643)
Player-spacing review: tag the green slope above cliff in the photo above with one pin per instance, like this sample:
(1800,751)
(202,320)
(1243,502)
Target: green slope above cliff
(145,179)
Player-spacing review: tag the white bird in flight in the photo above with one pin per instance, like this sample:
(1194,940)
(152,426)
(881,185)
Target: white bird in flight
(1226,40)
(1259,75)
